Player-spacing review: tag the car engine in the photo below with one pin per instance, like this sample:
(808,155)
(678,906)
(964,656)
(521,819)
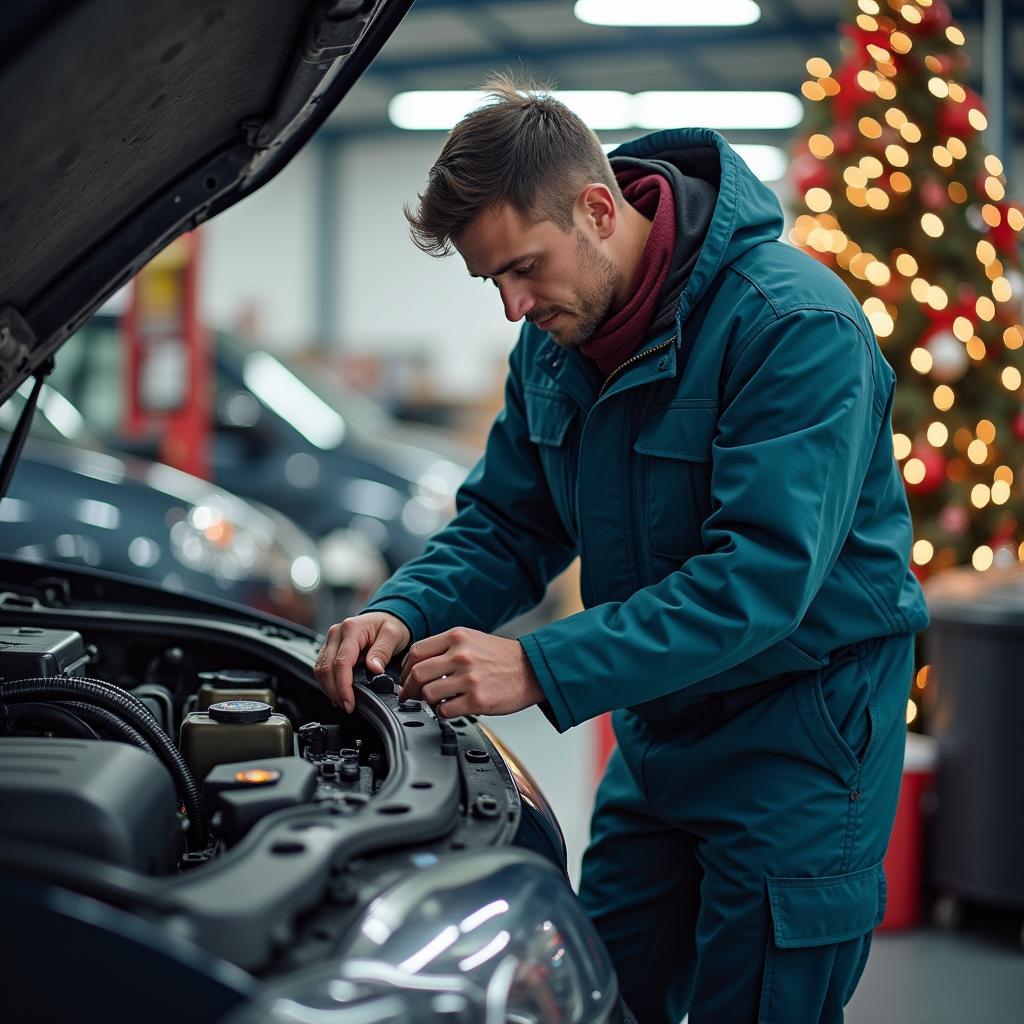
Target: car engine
(190,769)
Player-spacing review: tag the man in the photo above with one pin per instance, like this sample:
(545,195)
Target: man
(701,413)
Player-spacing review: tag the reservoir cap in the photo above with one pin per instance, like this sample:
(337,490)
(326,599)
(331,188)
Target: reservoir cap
(240,711)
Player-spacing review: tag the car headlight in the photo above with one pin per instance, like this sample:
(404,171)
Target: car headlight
(232,544)
(488,937)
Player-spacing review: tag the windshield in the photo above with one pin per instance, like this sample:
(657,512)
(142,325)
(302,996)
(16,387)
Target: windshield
(90,373)
(297,381)
(55,418)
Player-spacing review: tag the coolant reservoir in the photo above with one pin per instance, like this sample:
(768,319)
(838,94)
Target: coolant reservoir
(235,684)
(233,730)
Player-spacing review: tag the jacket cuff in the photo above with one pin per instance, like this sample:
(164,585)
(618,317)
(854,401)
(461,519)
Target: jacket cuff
(406,611)
(555,708)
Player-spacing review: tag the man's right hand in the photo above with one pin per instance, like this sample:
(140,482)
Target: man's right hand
(377,634)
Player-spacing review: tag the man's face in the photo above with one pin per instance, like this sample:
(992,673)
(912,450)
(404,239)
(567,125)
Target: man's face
(558,280)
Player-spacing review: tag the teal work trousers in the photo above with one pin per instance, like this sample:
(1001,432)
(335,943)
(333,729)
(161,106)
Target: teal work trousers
(734,871)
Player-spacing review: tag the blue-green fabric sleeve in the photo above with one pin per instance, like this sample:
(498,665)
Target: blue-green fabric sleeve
(505,544)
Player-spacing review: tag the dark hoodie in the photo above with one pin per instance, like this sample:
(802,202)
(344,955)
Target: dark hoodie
(695,203)
(694,199)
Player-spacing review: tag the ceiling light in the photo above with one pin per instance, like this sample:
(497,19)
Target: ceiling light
(667,12)
(607,110)
(440,110)
(768,163)
(722,110)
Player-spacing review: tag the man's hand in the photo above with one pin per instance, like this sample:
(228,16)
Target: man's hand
(474,673)
(378,634)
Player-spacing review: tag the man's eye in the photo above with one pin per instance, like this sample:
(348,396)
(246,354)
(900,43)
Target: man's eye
(524,271)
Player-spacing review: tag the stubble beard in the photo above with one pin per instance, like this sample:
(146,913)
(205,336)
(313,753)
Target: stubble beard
(595,294)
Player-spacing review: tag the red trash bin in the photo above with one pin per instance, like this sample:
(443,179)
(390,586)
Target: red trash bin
(904,859)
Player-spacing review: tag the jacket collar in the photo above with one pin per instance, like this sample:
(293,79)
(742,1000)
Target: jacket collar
(575,375)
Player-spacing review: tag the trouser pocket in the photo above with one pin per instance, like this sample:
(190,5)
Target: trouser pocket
(838,712)
(820,933)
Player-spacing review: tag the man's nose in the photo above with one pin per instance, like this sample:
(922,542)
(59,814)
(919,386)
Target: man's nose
(517,302)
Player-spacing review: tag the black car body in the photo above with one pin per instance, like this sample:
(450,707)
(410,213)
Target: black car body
(123,516)
(373,870)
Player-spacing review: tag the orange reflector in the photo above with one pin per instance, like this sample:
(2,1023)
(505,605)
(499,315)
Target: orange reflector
(257,776)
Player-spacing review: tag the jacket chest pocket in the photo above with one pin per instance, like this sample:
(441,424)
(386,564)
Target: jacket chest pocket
(549,416)
(673,453)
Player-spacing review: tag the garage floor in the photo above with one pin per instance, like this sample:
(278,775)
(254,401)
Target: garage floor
(975,976)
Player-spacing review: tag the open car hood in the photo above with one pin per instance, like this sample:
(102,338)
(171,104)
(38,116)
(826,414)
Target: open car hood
(125,124)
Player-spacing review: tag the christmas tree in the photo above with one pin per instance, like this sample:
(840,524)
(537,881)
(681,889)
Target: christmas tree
(900,197)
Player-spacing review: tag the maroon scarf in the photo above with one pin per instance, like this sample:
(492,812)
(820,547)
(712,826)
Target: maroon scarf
(622,333)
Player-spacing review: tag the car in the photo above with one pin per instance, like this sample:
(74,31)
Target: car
(148,521)
(328,458)
(243,550)
(190,829)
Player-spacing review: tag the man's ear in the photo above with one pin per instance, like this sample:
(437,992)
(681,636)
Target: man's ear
(597,207)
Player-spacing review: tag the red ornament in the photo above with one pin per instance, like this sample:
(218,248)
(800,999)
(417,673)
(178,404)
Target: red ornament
(1018,426)
(845,139)
(851,96)
(809,172)
(935,19)
(934,469)
(1004,238)
(954,520)
(954,117)
(933,195)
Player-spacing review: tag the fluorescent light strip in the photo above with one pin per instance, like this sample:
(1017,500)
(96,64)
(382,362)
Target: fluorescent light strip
(721,110)
(667,12)
(602,110)
(769,163)
(615,111)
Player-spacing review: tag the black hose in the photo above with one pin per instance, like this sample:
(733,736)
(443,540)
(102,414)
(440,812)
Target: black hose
(114,727)
(50,717)
(122,703)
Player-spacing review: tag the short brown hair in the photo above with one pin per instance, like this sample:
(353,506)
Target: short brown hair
(523,148)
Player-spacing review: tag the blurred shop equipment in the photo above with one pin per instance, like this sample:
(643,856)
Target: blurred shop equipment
(904,860)
(168,359)
(975,705)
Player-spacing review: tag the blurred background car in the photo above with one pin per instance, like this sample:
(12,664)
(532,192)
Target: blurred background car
(368,489)
(72,503)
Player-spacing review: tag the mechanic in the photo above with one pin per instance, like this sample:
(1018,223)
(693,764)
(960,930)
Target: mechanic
(701,413)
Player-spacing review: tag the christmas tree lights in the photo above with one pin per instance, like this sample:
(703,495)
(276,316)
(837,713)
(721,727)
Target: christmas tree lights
(900,198)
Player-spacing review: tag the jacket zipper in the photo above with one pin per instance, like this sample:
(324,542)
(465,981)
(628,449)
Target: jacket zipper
(619,370)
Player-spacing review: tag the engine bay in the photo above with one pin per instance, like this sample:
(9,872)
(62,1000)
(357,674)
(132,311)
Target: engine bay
(189,769)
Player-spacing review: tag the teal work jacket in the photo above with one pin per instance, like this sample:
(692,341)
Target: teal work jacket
(731,490)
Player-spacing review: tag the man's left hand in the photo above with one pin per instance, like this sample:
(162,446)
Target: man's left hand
(473,673)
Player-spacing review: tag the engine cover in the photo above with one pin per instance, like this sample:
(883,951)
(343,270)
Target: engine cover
(111,801)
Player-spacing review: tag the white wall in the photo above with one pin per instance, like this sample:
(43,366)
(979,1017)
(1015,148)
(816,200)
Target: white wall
(259,258)
(392,297)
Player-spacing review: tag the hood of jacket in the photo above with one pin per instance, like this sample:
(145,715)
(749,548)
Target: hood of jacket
(745,212)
